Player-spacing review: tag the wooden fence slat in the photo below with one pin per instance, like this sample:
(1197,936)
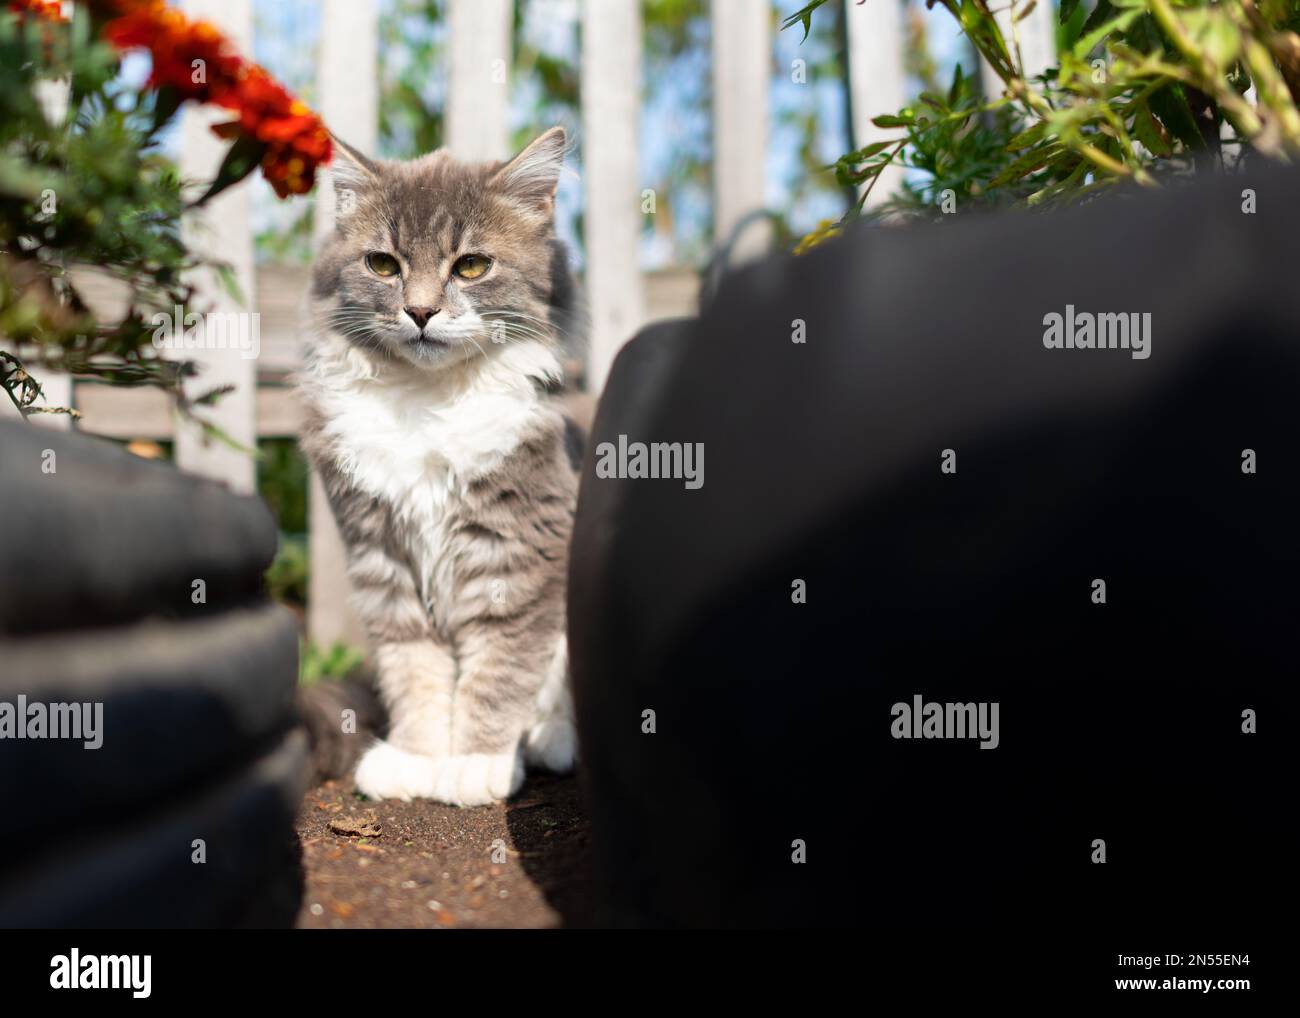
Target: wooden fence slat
(222,232)
(611,109)
(877,78)
(348,91)
(742,63)
(1037,35)
(478,85)
(347,86)
(113,411)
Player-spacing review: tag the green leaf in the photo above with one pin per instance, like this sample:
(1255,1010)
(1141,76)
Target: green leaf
(213,432)
(1219,39)
(19,179)
(1025,11)
(1170,105)
(889,120)
(1027,138)
(1089,40)
(229,282)
(1070,29)
(863,154)
(1035,159)
(165,107)
(803,16)
(1148,131)
(240,161)
(1099,15)
(211,397)
(958,81)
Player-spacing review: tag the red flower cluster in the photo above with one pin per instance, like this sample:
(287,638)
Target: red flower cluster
(47,10)
(196,60)
(192,57)
(296,139)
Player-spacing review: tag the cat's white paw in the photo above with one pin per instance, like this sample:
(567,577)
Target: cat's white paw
(477,779)
(552,744)
(386,772)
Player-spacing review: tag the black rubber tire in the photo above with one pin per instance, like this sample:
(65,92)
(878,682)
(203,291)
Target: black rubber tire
(1120,722)
(109,537)
(140,871)
(180,701)
(197,699)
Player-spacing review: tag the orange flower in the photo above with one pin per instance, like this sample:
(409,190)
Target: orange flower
(192,57)
(47,10)
(197,60)
(296,139)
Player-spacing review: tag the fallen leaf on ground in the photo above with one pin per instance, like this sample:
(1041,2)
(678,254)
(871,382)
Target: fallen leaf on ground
(361,826)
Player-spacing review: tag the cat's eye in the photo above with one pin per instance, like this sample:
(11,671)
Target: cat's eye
(382,264)
(471,266)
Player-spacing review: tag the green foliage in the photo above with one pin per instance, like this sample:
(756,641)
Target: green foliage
(289,244)
(282,481)
(337,662)
(88,189)
(287,576)
(1143,90)
(85,189)
(411,58)
(803,16)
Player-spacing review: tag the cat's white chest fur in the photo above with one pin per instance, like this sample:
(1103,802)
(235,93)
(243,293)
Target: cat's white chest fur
(414,439)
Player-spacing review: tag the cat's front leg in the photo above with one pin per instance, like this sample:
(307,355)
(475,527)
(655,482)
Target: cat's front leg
(416,680)
(416,672)
(502,666)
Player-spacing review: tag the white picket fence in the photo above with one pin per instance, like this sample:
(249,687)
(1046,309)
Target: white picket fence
(620,296)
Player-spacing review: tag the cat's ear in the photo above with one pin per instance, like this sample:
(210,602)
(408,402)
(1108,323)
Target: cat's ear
(351,172)
(534,173)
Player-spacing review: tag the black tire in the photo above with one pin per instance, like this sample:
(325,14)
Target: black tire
(140,871)
(776,789)
(109,537)
(196,731)
(180,701)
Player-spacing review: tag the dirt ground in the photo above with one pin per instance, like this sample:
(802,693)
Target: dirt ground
(524,863)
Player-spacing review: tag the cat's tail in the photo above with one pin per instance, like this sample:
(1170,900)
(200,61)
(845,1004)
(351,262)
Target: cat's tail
(552,740)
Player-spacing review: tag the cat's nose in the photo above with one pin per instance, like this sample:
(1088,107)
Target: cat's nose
(420,315)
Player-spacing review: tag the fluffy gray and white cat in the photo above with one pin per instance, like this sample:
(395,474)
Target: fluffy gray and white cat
(432,417)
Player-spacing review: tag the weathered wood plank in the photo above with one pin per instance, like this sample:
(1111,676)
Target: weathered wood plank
(877,78)
(742,61)
(611,105)
(147,413)
(222,231)
(1036,35)
(478,84)
(348,87)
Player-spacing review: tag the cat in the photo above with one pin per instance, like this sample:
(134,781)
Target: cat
(432,416)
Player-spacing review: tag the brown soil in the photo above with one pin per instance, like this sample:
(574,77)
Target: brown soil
(523,863)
